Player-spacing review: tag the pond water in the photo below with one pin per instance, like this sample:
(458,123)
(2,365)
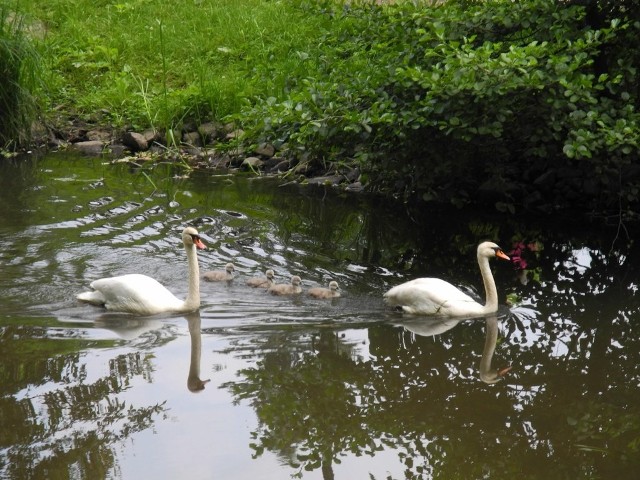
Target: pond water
(257,386)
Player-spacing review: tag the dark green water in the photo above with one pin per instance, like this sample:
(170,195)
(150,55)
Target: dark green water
(298,387)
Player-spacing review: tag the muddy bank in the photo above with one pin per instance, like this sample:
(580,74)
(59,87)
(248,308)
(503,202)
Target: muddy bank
(210,145)
(563,189)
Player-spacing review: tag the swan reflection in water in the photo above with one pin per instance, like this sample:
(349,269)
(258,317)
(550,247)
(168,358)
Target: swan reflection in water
(428,327)
(194,383)
(129,328)
(488,375)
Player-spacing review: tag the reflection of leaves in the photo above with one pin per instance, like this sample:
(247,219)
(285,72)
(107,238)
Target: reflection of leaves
(310,403)
(420,397)
(72,424)
(586,350)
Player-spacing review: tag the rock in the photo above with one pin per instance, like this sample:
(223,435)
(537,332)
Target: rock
(157,149)
(189,126)
(353,174)
(210,132)
(281,166)
(116,150)
(150,135)
(135,142)
(354,187)
(223,161)
(235,134)
(252,163)
(270,163)
(327,180)
(170,137)
(101,135)
(265,150)
(192,138)
(90,147)
(194,151)
(53,142)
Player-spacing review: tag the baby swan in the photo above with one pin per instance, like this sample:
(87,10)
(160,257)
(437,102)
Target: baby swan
(287,288)
(332,292)
(225,275)
(262,282)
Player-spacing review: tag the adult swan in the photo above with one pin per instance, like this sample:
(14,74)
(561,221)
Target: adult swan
(432,296)
(142,295)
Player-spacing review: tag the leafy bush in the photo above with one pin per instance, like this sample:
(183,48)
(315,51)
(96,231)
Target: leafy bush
(469,97)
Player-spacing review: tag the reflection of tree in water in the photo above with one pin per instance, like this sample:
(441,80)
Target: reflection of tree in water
(587,337)
(422,398)
(318,405)
(307,403)
(70,429)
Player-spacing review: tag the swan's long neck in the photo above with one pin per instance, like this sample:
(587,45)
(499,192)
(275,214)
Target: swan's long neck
(192,301)
(486,374)
(491,294)
(194,383)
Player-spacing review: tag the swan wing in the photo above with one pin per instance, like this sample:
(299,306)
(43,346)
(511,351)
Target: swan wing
(133,293)
(430,296)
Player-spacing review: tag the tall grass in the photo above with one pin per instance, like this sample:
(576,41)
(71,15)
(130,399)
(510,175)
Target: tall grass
(19,67)
(160,63)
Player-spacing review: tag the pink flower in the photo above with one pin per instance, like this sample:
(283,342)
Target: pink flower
(518,262)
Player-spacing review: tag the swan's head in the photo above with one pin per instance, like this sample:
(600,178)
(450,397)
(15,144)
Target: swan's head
(229,267)
(490,250)
(296,280)
(494,376)
(270,274)
(191,237)
(333,285)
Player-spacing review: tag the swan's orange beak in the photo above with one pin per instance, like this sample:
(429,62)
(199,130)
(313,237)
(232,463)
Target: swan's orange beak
(198,243)
(503,371)
(502,255)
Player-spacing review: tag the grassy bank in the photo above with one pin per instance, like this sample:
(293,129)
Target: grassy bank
(530,104)
(19,78)
(159,63)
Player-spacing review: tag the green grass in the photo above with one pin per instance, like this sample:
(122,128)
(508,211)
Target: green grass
(158,63)
(19,67)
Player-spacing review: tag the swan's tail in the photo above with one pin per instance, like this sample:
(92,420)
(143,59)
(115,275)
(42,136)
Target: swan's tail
(95,298)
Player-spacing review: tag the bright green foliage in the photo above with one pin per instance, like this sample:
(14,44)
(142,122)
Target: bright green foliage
(528,103)
(162,64)
(466,95)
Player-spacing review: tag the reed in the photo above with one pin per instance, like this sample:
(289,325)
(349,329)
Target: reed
(19,77)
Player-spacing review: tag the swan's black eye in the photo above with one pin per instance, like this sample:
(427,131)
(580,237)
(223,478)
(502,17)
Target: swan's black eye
(195,238)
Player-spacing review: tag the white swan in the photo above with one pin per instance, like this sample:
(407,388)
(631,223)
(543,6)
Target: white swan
(432,296)
(287,288)
(142,295)
(262,282)
(332,292)
(225,275)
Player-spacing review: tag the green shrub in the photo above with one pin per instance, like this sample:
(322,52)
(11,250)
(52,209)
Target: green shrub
(446,99)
